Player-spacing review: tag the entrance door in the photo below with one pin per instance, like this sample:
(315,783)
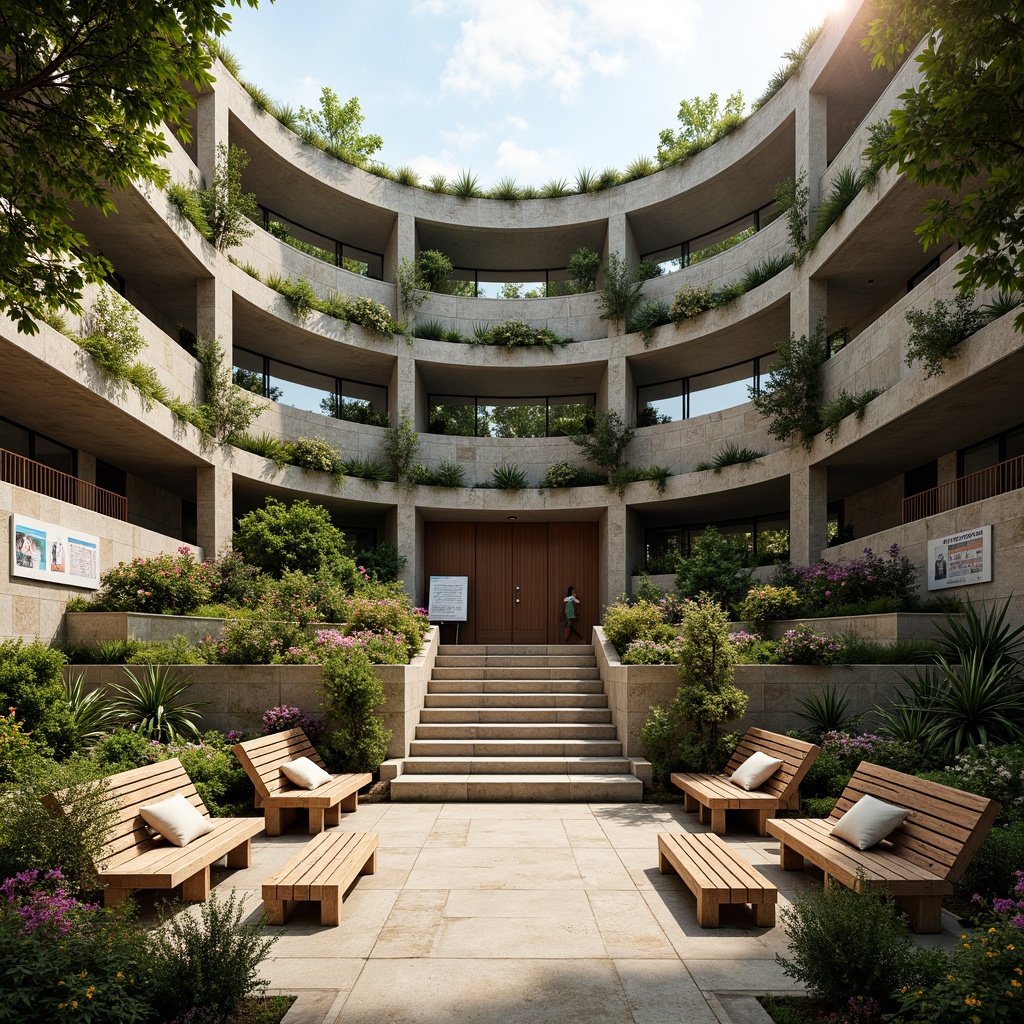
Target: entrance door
(518,573)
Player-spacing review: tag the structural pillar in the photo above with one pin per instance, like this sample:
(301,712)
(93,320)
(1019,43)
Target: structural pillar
(214,513)
(401,246)
(614,570)
(211,132)
(214,313)
(808,305)
(808,514)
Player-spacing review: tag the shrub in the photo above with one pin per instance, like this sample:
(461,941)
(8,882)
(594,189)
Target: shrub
(730,455)
(260,640)
(283,718)
(32,837)
(652,314)
(805,646)
(765,271)
(660,738)
(765,603)
(652,652)
(124,749)
(382,648)
(991,871)
(715,567)
(351,694)
(937,331)
(508,477)
(237,583)
(833,414)
(31,682)
(371,315)
(304,598)
(208,961)
(691,301)
(844,942)
(300,536)
(162,584)
(15,746)
(623,289)
(626,623)
(707,697)
(315,453)
(606,444)
(790,398)
(448,474)
(65,960)
(400,446)
(219,778)
(993,771)
(842,752)
(382,563)
(168,652)
(383,610)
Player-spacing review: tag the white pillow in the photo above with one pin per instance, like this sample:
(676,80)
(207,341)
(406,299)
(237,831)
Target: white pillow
(868,822)
(176,820)
(755,771)
(305,773)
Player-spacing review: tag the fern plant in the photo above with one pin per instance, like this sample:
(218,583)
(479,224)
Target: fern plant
(833,414)
(730,455)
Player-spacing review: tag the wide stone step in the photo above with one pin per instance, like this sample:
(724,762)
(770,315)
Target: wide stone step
(534,730)
(562,788)
(516,766)
(515,686)
(516,700)
(512,661)
(551,746)
(516,716)
(508,650)
(477,672)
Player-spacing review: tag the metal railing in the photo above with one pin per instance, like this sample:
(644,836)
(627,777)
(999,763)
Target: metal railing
(34,476)
(986,483)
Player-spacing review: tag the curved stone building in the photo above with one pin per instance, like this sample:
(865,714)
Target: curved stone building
(918,466)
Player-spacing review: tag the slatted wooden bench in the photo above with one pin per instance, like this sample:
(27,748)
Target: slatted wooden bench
(922,858)
(320,872)
(715,873)
(136,859)
(713,795)
(280,799)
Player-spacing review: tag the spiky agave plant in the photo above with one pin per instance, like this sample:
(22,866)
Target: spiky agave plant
(151,705)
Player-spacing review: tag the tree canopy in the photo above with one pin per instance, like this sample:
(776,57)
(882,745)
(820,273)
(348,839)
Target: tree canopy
(85,89)
(702,122)
(337,125)
(961,127)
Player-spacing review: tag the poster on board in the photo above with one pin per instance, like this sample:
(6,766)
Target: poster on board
(960,559)
(449,598)
(45,551)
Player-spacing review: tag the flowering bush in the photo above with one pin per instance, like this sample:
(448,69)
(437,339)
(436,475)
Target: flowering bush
(382,648)
(651,652)
(380,609)
(163,585)
(64,960)
(992,771)
(830,587)
(841,753)
(983,979)
(672,608)
(283,718)
(260,641)
(766,603)
(805,646)
(626,623)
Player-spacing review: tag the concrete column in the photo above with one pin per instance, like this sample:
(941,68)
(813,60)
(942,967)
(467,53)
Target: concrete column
(214,313)
(211,132)
(621,240)
(808,514)
(812,144)
(404,384)
(401,246)
(215,520)
(613,540)
(947,468)
(86,467)
(808,304)
(409,541)
(616,385)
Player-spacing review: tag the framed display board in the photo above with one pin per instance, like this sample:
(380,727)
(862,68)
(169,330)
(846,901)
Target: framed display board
(960,559)
(45,551)
(449,599)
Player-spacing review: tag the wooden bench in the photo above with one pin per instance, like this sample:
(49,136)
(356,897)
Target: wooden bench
(280,799)
(134,859)
(713,795)
(320,872)
(922,858)
(716,874)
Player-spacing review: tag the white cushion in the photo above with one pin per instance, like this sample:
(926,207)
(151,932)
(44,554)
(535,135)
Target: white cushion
(868,822)
(755,771)
(305,773)
(177,820)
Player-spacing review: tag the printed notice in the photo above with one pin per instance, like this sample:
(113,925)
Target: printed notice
(960,559)
(47,552)
(449,598)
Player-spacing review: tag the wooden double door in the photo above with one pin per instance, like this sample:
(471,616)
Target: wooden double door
(518,574)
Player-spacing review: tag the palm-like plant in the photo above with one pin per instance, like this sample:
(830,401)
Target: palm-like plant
(152,707)
(94,714)
(509,477)
(829,711)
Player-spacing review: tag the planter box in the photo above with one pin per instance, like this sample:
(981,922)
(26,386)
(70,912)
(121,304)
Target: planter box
(775,691)
(239,694)
(883,629)
(95,627)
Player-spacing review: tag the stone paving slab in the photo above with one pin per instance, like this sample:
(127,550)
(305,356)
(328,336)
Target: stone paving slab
(522,914)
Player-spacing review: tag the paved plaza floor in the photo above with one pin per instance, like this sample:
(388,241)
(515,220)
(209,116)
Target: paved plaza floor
(521,914)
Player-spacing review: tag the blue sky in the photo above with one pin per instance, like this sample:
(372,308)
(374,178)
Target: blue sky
(527,89)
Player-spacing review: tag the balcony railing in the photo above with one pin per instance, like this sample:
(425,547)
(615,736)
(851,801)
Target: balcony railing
(34,476)
(986,483)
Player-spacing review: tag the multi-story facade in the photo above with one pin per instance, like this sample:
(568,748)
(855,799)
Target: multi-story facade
(919,465)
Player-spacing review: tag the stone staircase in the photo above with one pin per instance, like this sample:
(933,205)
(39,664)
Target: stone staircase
(506,722)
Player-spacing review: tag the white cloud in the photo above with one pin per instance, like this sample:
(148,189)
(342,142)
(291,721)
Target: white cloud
(463,137)
(517,161)
(517,121)
(504,47)
(427,166)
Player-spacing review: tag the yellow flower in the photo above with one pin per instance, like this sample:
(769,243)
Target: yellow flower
(991,931)
(1011,946)
(1015,983)
(74,1004)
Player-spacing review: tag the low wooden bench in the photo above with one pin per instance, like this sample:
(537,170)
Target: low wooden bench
(280,799)
(715,873)
(320,872)
(136,859)
(919,862)
(713,795)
